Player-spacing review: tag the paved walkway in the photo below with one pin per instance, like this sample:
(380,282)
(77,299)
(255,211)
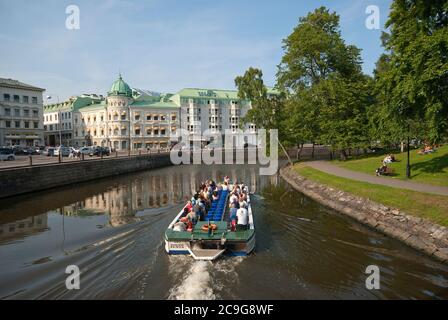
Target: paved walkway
(327,167)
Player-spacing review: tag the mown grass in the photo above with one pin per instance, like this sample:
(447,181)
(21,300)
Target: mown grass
(430,169)
(429,206)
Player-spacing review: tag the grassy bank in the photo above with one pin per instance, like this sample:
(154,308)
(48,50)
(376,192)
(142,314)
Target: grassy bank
(431,207)
(431,168)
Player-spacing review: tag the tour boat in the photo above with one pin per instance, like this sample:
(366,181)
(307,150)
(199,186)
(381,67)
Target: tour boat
(204,245)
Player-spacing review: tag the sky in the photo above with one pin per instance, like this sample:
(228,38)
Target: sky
(162,45)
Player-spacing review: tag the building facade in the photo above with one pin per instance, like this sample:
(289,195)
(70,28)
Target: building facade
(21,114)
(133,119)
(126,119)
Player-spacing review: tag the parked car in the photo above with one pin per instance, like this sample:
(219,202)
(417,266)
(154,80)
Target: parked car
(49,152)
(85,150)
(97,151)
(7,154)
(63,151)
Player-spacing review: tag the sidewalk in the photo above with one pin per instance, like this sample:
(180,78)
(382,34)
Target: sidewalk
(329,168)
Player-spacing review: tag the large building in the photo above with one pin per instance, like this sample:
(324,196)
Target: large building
(132,119)
(125,119)
(21,114)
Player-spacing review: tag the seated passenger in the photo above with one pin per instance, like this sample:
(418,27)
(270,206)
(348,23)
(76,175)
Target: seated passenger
(192,217)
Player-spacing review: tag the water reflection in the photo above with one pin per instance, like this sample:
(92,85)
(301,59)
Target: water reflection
(24,227)
(123,201)
(113,230)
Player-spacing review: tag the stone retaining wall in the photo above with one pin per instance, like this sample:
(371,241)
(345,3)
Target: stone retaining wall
(30,179)
(418,233)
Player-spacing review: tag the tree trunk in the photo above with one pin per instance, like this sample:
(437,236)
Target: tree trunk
(312,152)
(402,147)
(343,155)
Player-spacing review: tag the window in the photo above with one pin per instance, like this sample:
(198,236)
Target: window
(156,132)
(35,113)
(34,100)
(16,98)
(17,124)
(148,132)
(137,132)
(51,127)
(25,99)
(137,117)
(123,131)
(17,112)
(26,113)
(156,118)
(148,117)
(163,118)
(6,97)
(27,124)
(163,132)
(173,118)
(7,112)
(123,117)
(8,124)
(45,128)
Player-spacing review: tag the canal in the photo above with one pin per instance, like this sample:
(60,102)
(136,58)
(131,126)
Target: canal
(113,231)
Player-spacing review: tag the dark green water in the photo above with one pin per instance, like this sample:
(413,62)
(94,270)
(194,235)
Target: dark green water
(113,231)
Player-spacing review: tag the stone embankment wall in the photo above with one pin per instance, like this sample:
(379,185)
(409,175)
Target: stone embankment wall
(418,233)
(40,177)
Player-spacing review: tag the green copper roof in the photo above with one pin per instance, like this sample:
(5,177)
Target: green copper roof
(120,88)
(213,93)
(73,104)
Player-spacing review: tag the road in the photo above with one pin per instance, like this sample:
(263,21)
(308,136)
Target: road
(24,161)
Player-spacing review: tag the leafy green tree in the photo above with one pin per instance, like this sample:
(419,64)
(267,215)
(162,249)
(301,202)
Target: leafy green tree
(266,111)
(414,85)
(321,74)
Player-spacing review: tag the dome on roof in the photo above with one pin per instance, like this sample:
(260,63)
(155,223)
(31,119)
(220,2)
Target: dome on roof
(120,88)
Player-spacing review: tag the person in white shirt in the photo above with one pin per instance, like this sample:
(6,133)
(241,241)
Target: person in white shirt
(242,218)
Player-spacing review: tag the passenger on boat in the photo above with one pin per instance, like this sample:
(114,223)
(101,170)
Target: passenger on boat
(232,212)
(215,196)
(189,206)
(242,218)
(225,187)
(192,217)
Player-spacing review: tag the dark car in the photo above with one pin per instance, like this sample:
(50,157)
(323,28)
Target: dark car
(98,151)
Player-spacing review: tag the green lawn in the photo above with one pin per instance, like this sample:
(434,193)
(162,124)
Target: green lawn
(431,168)
(429,206)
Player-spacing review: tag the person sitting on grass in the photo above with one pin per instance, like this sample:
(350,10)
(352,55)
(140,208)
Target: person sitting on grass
(381,170)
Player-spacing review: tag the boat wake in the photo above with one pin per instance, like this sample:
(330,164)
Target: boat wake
(196,285)
(202,280)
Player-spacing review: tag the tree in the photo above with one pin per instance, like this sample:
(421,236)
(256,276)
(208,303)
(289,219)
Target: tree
(324,84)
(415,83)
(314,51)
(266,111)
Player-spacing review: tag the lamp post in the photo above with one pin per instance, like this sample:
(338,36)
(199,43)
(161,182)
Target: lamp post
(49,97)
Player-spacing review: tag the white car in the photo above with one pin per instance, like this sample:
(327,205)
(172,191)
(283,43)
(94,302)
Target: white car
(7,154)
(64,151)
